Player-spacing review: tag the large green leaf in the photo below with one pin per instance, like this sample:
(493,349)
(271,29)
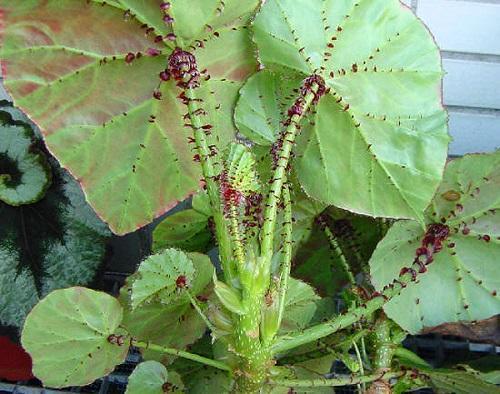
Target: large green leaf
(69,337)
(196,18)
(54,243)
(463,281)
(97,111)
(377,142)
(24,173)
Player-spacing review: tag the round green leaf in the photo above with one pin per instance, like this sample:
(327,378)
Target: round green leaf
(24,174)
(148,377)
(158,277)
(382,121)
(97,111)
(67,334)
(155,280)
(462,283)
(174,325)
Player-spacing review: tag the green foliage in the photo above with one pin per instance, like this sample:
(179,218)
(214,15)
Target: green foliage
(53,243)
(459,382)
(240,167)
(320,264)
(303,307)
(461,283)
(143,168)
(312,369)
(208,380)
(390,143)
(187,230)
(263,102)
(229,297)
(173,322)
(151,377)
(88,353)
(162,278)
(356,86)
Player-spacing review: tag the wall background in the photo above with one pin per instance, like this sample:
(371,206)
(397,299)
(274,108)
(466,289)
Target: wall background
(468,32)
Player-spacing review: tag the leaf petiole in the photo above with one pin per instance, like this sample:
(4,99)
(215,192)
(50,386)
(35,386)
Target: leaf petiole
(336,382)
(181,353)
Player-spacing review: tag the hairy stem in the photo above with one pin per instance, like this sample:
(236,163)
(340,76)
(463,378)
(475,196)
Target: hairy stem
(384,346)
(362,386)
(338,250)
(340,322)
(324,382)
(209,174)
(197,307)
(239,250)
(181,353)
(279,176)
(287,251)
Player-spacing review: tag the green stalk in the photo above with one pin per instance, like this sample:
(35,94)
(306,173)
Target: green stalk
(338,250)
(197,307)
(362,386)
(287,251)
(255,356)
(345,320)
(239,251)
(279,176)
(384,346)
(209,173)
(324,382)
(181,353)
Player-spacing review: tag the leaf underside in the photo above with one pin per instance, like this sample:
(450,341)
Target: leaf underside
(91,317)
(377,142)
(462,283)
(97,112)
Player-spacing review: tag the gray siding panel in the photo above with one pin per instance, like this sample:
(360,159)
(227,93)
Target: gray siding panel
(473,133)
(468,31)
(472,83)
(463,26)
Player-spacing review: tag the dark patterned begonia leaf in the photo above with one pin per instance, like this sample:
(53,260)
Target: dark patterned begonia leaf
(53,243)
(24,172)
